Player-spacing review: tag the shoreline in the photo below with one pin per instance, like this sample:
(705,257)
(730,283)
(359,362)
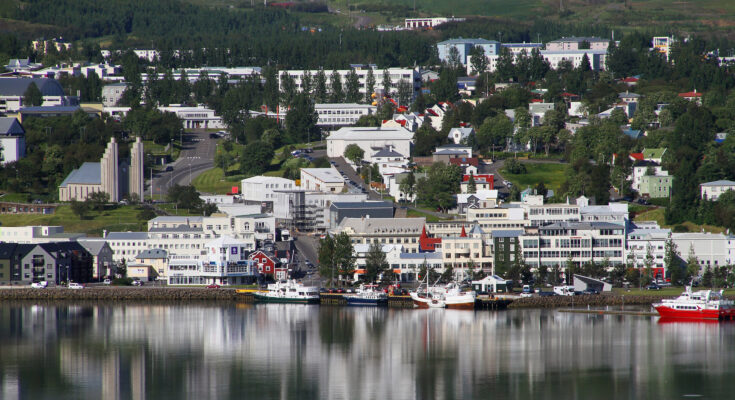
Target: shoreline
(168,294)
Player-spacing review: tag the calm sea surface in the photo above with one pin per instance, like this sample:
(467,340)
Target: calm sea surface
(312,352)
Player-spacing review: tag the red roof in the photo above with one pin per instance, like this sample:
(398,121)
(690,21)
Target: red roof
(691,94)
(474,161)
(630,80)
(637,156)
(463,233)
(536,101)
(566,94)
(402,109)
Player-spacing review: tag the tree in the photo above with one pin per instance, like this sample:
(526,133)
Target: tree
(570,270)
(693,267)
(405,92)
(288,89)
(408,186)
(353,87)
(184,197)
(375,263)
(369,86)
(79,208)
(344,256)
(354,153)
(426,269)
(707,277)
(336,94)
(505,67)
(32,96)
(648,263)
(448,274)
(301,120)
(326,254)
(454,60)
(478,60)
(471,186)
(320,87)
(256,157)
(387,83)
(97,200)
(673,263)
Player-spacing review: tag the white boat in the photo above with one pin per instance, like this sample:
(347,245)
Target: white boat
(289,291)
(367,295)
(450,296)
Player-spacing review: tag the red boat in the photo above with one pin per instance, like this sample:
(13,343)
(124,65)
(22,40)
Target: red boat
(700,305)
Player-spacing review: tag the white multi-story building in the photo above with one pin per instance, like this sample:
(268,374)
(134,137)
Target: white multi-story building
(410,75)
(341,114)
(263,188)
(710,249)
(641,242)
(112,93)
(36,234)
(12,140)
(214,73)
(322,180)
(426,23)
(370,140)
(713,190)
(225,263)
(403,231)
(12,93)
(196,117)
(573,43)
(309,211)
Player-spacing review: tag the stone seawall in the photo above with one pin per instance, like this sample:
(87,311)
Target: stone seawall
(124,294)
(599,300)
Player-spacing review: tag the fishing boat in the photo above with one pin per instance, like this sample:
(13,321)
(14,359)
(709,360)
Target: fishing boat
(699,305)
(367,295)
(450,296)
(289,291)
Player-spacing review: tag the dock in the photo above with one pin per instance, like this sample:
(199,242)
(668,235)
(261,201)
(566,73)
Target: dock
(609,312)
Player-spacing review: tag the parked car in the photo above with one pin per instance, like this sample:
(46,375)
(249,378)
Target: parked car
(107,282)
(213,286)
(295,153)
(39,285)
(653,286)
(590,291)
(74,285)
(138,283)
(169,168)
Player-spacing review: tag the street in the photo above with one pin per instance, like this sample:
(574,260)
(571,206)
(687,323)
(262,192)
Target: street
(196,156)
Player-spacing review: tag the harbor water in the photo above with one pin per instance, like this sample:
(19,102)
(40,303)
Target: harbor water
(282,351)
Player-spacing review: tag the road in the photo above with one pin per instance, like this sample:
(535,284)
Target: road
(196,156)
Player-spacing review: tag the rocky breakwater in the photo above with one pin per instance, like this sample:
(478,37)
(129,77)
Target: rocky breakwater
(600,300)
(122,294)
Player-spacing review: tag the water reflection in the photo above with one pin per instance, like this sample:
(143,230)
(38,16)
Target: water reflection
(301,352)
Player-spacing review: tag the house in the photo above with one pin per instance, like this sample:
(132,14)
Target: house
(692,96)
(112,93)
(262,188)
(370,140)
(156,258)
(655,155)
(54,262)
(322,180)
(642,168)
(389,159)
(656,186)
(482,182)
(492,284)
(102,260)
(629,97)
(405,231)
(229,262)
(12,92)
(479,199)
(457,135)
(363,209)
(267,264)
(393,184)
(12,140)
(713,190)
(448,151)
(141,272)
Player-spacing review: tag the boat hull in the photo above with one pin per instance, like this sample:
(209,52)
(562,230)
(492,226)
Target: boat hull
(425,302)
(470,305)
(700,314)
(273,299)
(356,301)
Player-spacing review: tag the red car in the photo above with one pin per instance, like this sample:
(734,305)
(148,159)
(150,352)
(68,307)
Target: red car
(213,286)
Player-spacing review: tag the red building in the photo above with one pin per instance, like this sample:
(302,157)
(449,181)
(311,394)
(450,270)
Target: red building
(268,264)
(482,181)
(427,243)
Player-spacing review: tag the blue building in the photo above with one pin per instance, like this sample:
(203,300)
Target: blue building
(464,46)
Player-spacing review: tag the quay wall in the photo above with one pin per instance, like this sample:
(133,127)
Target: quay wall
(599,300)
(124,294)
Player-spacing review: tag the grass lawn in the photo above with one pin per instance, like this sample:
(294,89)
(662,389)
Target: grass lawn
(418,214)
(160,149)
(15,197)
(551,174)
(210,181)
(123,218)
(172,210)
(668,291)
(658,216)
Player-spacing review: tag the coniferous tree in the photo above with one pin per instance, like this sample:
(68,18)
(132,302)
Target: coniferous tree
(369,86)
(353,87)
(320,87)
(336,94)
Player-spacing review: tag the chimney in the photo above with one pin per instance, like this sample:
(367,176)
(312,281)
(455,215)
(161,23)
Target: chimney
(104,233)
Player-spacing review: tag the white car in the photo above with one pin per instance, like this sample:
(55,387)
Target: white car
(107,282)
(39,285)
(75,285)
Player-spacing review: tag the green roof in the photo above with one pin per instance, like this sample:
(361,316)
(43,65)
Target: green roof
(653,153)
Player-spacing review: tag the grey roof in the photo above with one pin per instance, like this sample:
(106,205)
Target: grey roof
(421,256)
(719,183)
(508,233)
(117,84)
(18,86)
(454,145)
(579,39)
(628,94)
(387,152)
(362,204)
(9,126)
(49,109)
(127,236)
(152,254)
(7,250)
(469,41)
(477,230)
(449,152)
(89,173)
(93,246)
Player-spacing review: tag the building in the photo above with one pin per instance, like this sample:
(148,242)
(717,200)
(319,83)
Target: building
(53,262)
(137,179)
(642,242)
(576,43)
(341,114)
(692,96)
(482,182)
(12,140)
(458,135)
(370,140)
(558,243)
(322,180)
(710,249)
(597,58)
(195,117)
(309,211)
(108,176)
(363,209)
(518,48)
(112,93)
(12,92)
(102,258)
(263,188)
(22,65)
(266,263)
(229,263)
(43,46)
(125,245)
(662,45)
(656,186)
(157,259)
(464,46)
(404,231)
(713,190)
(36,234)
(428,23)
(409,75)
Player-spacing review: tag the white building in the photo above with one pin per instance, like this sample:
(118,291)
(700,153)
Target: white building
(262,188)
(36,234)
(112,93)
(409,75)
(404,231)
(322,180)
(309,211)
(710,249)
(12,140)
(426,23)
(573,43)
(370,140)
(195,117)
(457,135)
(12,91)
(641,242)
(713,190)
(342,114)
